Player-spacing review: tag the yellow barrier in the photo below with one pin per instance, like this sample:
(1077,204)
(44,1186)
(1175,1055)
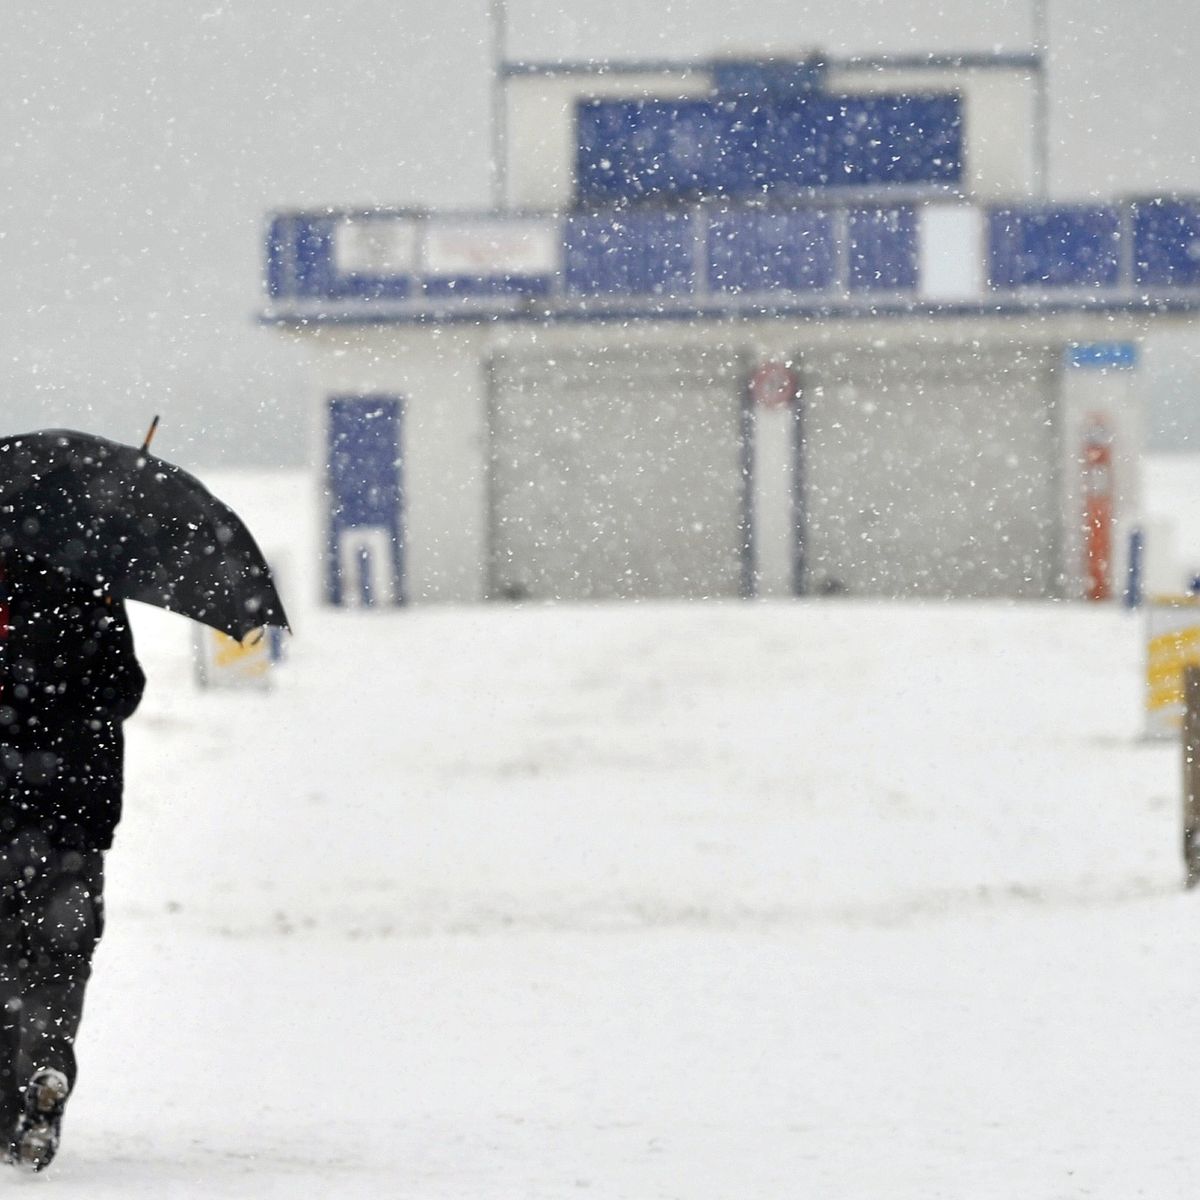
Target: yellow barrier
(1172,643)
(222,661)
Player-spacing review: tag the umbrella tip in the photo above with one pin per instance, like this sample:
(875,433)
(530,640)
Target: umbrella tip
(150,434)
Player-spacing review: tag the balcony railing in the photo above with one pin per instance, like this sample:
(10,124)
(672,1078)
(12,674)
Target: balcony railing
(405,266)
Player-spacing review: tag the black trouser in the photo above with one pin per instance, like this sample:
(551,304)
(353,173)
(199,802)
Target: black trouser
(51,917)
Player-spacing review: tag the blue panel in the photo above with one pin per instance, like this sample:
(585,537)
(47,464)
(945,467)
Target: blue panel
(630,150)
(314,256)
(371,287)
(1076,246)
(444,286)
(307,264)
(365,484)
(364,460)
(883,249)
(765,251)
(1166,243)
(631,254)
(281,257)
(1099,356)
(881,140)
(767,79)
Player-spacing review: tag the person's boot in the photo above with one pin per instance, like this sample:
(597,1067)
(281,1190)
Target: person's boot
(35,1137)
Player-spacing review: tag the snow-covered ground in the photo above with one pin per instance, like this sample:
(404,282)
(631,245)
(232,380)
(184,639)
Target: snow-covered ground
(774,900)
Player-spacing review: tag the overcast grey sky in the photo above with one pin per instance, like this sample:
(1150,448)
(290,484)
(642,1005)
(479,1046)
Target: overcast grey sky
(143,143)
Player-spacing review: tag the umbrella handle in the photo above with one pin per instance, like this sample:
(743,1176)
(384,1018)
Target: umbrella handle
(150,434)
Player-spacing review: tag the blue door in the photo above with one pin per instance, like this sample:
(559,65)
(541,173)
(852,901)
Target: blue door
(365,554)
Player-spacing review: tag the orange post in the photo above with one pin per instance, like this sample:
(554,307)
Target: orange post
(1098,508)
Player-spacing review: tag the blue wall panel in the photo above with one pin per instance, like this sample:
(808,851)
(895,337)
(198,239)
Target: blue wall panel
(281,257)
(628,150)
(365,489)
(770,79)
(883,249)
(766,251)
(1166,243)
(630,254)
(880,140)
(634,149)
(748,249)
(358,286)
(445,286)
(302,262)
(314,256)
(1069,246)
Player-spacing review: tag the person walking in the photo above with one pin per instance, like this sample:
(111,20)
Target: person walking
(69,678)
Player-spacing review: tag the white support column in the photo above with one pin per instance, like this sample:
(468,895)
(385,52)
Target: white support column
(774,483)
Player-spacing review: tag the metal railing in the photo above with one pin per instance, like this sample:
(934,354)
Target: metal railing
(723,257)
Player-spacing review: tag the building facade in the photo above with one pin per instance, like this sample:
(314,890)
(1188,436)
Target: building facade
(741,328)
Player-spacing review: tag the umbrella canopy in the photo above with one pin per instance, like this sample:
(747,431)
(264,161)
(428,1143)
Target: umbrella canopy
(135,525)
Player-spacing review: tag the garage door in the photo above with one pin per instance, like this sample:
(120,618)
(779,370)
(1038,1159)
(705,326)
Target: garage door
(616,476)
(930,474)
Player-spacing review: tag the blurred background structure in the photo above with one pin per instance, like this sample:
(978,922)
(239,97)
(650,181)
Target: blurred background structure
(745,326)
(143,144)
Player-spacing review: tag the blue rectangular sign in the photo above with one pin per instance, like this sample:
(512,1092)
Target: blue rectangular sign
(755,251)
(1166,243)
(767,79)
(1099,356)
(1064,246)
(628,254)
(638,149)
(884,251)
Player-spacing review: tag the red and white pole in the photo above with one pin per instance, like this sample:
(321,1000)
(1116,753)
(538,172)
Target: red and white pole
(1098,508)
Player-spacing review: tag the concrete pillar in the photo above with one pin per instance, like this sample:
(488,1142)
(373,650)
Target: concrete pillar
(775,417)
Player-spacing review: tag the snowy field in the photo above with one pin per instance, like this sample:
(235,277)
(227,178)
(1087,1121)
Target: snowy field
(717,902)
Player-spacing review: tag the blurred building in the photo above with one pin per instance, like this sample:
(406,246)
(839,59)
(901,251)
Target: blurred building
(739,328)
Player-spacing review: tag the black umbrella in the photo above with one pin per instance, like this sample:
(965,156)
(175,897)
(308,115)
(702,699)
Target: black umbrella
(135,525)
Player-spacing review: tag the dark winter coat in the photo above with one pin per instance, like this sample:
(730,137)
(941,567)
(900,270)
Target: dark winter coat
(68,678)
